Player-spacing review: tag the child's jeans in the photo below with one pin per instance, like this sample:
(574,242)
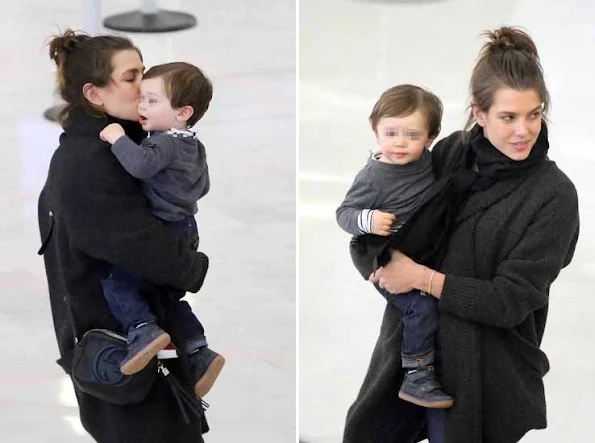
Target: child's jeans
(420,325)
(129,307)
(401,421)
(435,424)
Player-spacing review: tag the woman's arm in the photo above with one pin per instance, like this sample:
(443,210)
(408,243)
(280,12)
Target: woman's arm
(109,219)
(402,275)
(521,282)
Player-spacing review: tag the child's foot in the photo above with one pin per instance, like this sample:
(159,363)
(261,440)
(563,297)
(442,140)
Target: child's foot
(421,388)
(205,366)
(144,343)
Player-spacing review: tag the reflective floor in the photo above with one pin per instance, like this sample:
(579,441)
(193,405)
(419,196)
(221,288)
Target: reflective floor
(247,221)
(351,51)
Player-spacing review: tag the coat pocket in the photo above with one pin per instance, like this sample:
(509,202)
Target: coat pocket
(529,353)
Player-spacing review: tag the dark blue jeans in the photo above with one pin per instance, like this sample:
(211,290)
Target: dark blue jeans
(129,307)
(401,421)
(420,328)
(435,425)
(420,325)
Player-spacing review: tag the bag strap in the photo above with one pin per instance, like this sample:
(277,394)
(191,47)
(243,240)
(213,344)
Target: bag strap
(183,398)
(44,245)
(46,240)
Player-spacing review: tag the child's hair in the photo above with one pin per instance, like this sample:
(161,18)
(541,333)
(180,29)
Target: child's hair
(404,100)
(83,59)
(508,59)
(185,85)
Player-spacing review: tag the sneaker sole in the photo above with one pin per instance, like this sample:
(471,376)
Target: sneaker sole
(204,385)
(444,404)
(142,359)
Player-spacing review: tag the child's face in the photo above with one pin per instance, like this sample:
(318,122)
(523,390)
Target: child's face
(402,140)
(154,107)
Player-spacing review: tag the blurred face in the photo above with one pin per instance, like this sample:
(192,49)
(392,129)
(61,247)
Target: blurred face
(402,140)
(154,108)
(513,122)
(120,97)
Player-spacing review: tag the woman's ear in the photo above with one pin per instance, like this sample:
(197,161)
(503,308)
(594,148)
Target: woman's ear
(478,115)
(184,113)
(93,94)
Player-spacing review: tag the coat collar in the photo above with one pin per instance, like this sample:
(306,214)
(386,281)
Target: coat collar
(80,123)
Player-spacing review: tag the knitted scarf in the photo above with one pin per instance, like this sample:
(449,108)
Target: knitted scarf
(494,166)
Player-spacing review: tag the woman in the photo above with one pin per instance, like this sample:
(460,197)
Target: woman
(516,231)
(93,214)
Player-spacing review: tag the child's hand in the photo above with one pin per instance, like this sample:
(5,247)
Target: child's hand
(382,222)
(111,133)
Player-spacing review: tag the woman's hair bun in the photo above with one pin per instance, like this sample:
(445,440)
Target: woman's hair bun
(64,44)
(508,38)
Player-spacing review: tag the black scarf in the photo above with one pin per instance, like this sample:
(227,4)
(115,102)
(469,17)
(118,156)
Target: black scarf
(494,166)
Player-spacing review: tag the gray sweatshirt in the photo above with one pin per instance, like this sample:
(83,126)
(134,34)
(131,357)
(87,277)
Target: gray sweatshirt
(397,189)
(172,167)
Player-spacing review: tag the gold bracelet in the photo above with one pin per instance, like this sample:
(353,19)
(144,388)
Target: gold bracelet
(423,280)
(430,284)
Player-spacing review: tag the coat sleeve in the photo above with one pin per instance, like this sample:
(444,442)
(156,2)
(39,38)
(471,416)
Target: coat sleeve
(108,218)
(147,159)
(361,195)
(522,280)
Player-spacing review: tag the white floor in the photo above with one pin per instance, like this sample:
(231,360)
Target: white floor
(352,50)
(247,221)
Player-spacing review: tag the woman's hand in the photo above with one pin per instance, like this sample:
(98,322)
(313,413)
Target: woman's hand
(111,133)
(400,275)
(382,223)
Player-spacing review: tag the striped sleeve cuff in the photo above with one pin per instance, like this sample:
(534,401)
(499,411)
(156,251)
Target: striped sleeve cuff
(364,221)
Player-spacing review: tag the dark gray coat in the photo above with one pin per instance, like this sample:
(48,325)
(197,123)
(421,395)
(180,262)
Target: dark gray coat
(508,246)
(102,218)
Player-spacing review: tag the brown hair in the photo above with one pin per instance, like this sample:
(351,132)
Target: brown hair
(404,100)
(185,85)
(508,59)
(83,59)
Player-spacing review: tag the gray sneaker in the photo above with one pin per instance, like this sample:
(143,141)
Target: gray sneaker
(143,345)
(421,388)
(205,366)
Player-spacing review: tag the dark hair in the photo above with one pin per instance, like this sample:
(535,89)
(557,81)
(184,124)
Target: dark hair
(404,100)
(83,59)
(508,59)
(185,85)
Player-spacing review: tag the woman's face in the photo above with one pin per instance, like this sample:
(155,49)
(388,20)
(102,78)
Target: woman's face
(513,122)
(120,97)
